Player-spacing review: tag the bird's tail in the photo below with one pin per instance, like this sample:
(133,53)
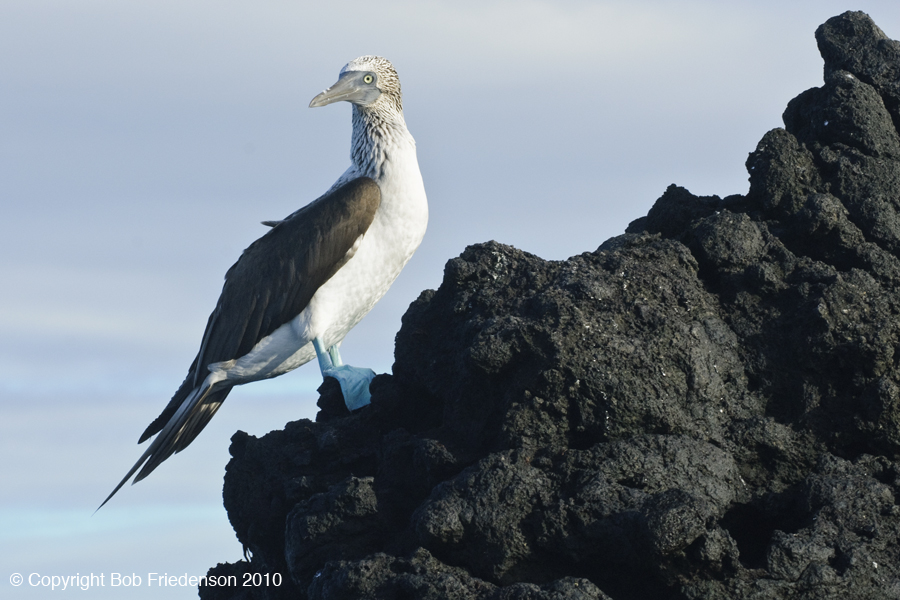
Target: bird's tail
(191,417)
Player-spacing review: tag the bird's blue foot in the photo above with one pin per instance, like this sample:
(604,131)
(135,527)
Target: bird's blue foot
(354,380)
(354,384)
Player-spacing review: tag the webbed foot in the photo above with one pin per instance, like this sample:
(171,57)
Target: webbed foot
(354,380)
(354,384)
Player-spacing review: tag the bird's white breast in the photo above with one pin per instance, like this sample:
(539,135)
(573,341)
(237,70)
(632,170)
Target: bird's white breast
(389,243)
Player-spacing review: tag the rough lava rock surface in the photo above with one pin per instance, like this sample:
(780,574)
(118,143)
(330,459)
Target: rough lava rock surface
(707,406)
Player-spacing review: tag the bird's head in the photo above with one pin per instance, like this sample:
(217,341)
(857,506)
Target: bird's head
(367,82)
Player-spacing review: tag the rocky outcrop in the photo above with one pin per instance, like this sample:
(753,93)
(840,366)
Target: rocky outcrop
(707,406)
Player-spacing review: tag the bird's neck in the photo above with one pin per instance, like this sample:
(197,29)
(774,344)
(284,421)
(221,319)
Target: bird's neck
(377,134)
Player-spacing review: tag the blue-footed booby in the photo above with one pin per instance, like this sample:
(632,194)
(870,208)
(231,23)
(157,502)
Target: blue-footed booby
(299,289)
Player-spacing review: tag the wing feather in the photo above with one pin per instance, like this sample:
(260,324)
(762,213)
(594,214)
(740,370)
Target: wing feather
(270,284)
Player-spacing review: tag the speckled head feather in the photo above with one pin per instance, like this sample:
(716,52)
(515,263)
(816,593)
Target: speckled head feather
(379,125)
(388,81)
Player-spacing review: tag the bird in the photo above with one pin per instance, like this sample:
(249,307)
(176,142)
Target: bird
(295,293)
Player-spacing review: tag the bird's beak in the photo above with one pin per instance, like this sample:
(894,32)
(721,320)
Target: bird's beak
(349,87)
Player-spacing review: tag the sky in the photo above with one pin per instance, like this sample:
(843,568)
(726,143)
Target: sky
(142,142)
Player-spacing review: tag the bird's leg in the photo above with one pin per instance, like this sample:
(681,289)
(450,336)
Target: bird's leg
(354,380)
(335,356)
(324,358)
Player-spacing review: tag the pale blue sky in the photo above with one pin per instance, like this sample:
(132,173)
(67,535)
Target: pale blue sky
(142,142)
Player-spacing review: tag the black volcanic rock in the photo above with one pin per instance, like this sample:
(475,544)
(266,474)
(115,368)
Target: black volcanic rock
(705,407)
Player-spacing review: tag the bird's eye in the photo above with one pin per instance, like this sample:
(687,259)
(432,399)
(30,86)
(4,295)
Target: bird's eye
(368,79)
